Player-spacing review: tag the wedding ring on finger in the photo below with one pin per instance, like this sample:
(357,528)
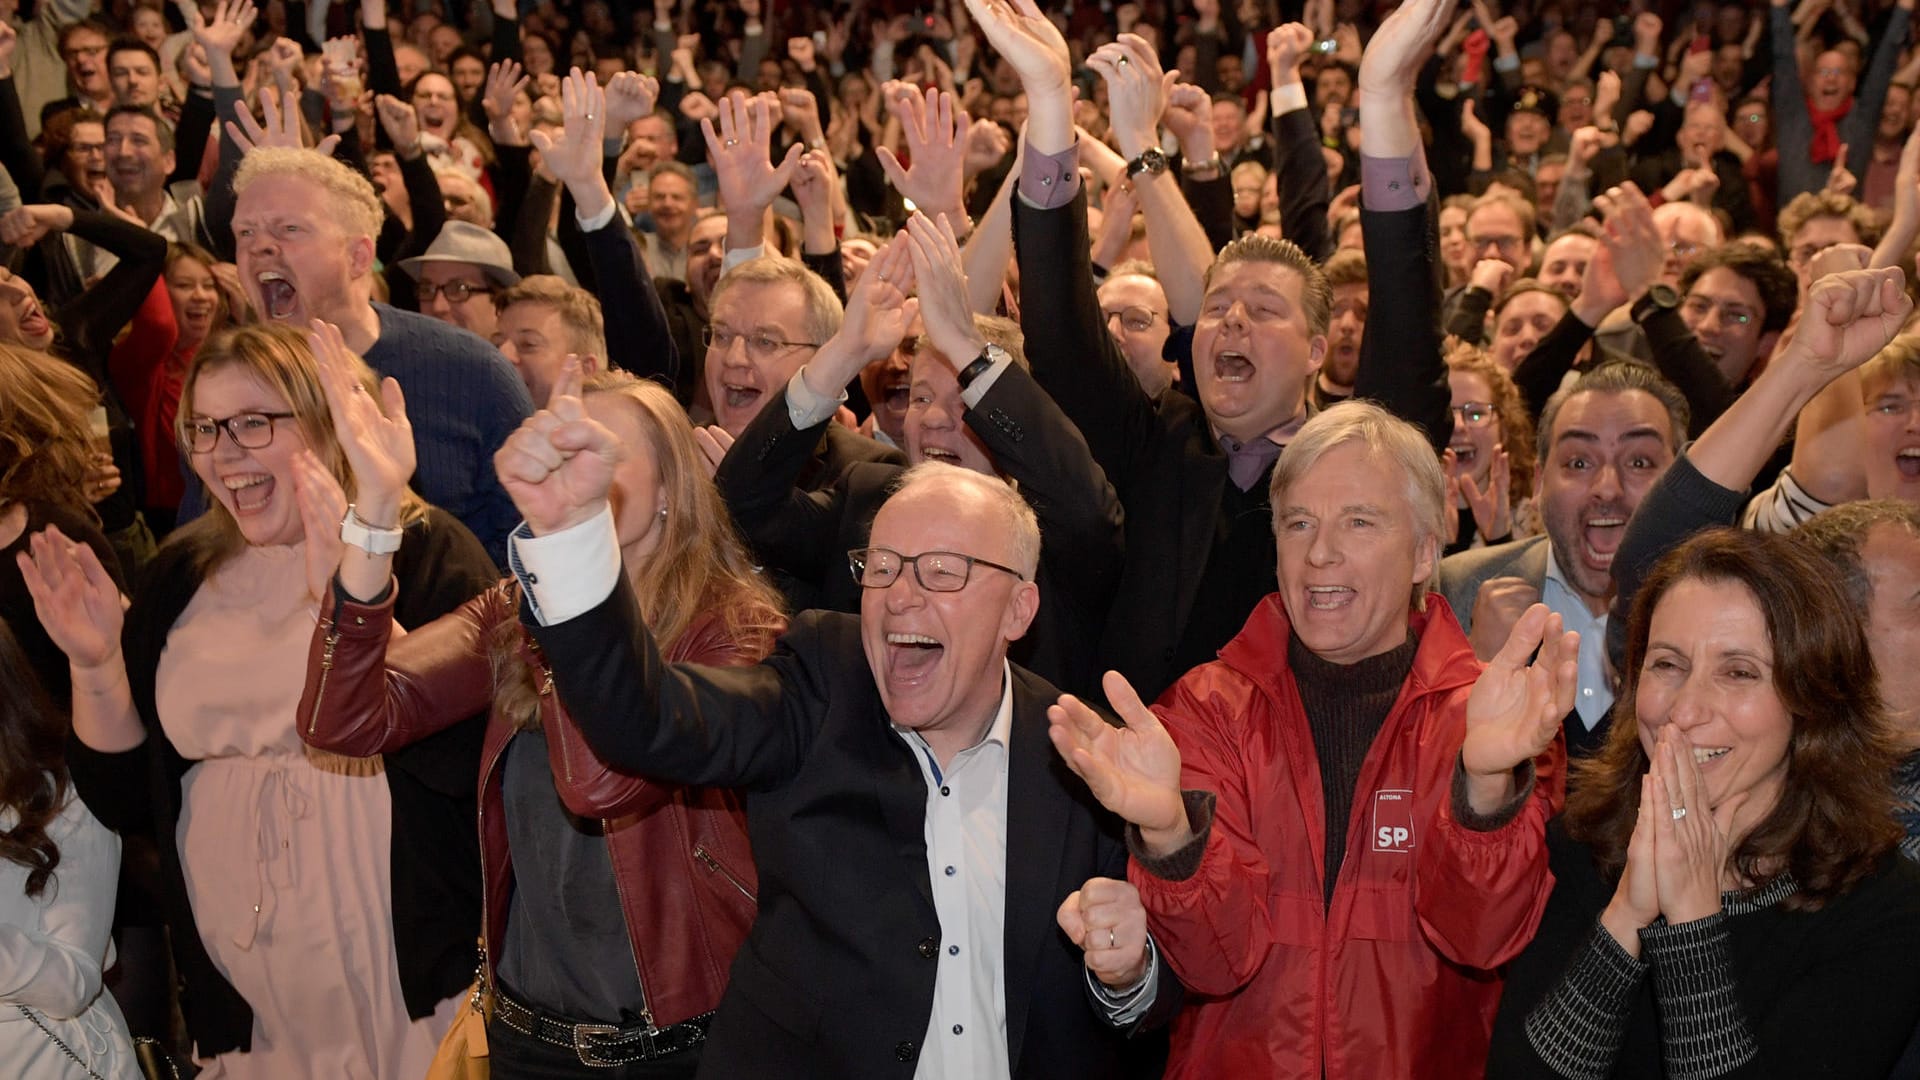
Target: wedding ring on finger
(1679,812)
(731,142)
(1110,939)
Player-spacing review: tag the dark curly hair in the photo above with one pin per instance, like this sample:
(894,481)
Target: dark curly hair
(1833,822)
(33,769)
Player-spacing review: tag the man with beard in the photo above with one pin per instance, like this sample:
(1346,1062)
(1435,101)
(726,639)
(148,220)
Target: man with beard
(1192,471)
(1603,442)
(1814,118)
(304,227)
(1347,276)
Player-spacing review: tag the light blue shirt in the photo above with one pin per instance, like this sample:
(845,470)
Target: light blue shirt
(1596,690)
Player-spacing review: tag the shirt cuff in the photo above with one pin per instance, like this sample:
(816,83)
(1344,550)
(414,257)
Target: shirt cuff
(1123,1007)
(1286,98)
(569,572)
(1050,181)
(1507,63)
(599,221)
(735,256)
(807,409)
(984,382)
(1390,184)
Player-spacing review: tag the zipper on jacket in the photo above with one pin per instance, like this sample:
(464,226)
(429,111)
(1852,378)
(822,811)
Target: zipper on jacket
(326,668)
(713,866)
(620,887)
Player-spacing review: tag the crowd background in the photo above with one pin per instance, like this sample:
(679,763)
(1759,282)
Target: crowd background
(1582,248)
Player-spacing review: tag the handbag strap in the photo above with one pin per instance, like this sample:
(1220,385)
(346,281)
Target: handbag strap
(64,1048)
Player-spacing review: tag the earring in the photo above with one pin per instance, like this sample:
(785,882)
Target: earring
(663,513)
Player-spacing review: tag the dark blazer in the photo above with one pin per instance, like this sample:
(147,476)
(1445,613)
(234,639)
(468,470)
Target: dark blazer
(1460,578)
(836,979)
(807,534)
(1160,453)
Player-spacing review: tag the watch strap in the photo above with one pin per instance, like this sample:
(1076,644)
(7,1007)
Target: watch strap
(369,538)
(980,366)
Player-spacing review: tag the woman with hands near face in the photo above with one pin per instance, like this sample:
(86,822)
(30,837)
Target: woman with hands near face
(1729,899)
(187,723)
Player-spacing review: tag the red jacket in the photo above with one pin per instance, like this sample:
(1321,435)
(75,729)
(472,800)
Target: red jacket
(1398,977)
(680,855)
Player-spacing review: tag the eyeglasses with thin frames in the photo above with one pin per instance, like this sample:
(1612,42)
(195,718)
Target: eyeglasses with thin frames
(936,571)
(248,430)
(1136,319)
(1474,414)
(759,346)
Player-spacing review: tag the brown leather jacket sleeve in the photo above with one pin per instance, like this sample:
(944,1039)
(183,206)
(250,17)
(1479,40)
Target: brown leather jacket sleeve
(365,696)
(590,787)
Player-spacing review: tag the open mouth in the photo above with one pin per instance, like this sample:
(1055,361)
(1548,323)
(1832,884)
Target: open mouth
(34,323)
(940,454)
(278,294)
(911,658)
(250,492)
(1232,367)
(1330,597)
(739,396)
(1702,754)
(1600,539)
(1908,462)
(1464,453)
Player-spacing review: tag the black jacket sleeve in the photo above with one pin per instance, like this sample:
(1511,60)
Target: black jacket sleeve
(17,153)
(529,239)
(190,136)
(1466,317)
(1678,355)
(790,529)
(1074,358)
(93,318)
(1302,172)
(637,335)
(1212,204)
(1401,365)
(1542,370)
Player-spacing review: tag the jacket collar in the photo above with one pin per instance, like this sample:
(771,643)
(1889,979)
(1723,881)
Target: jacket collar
(1443,662)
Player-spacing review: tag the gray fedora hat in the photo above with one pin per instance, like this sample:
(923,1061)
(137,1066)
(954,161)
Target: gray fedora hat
(465,242)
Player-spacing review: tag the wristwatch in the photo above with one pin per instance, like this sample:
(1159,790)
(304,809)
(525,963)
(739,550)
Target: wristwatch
(1153,161)
(1213,164)
(1660,297)
(368,538)
(992,354)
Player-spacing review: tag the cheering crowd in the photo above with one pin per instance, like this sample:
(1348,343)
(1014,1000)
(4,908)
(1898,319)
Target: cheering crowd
(975,539)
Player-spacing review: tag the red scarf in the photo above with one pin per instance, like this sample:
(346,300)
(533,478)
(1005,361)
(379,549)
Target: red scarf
(1826,130)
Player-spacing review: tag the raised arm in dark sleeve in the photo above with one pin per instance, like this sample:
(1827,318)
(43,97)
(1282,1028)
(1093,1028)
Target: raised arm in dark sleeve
(17,154)
(1301,172)
(1212,203)
(1678,355)
(1401,366)
(637,335)
(828,265)
(529,238)
(1074,358)
(1682,502)
(512,169)
(429,215)
(1857,128)
(93,318)
(190,136)
(217,223)
(789,529)
(1792,126)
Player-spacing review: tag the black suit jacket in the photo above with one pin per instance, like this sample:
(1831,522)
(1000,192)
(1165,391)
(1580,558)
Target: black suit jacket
(1160,453)
(805,535)
(836,978)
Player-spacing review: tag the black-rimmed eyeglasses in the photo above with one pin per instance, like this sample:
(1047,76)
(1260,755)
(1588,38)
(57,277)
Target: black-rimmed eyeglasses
(937,571)
(248,430)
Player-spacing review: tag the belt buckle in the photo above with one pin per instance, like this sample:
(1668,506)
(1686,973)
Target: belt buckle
(589,1054)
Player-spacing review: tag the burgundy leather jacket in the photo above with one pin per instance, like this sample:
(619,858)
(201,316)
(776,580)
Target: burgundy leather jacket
(681,858)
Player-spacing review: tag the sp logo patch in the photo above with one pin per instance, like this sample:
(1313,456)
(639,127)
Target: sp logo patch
(1393,820)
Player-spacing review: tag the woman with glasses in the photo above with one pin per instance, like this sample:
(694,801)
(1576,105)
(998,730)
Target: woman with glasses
(321,908)
(1491,457)
(614,905)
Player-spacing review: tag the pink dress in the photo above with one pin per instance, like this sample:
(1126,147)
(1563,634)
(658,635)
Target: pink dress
(284,848)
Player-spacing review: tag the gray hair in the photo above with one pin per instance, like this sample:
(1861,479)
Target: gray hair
(1386,437)
(1020,522)
(1836,535)
(823,310)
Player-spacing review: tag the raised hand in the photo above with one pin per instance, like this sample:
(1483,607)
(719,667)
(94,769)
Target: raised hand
(231,21)
(76,600)
(1106,919)
(1134,770)
(1647,29)
(25,226)
(739,151)
(800,50)
(281,126)
(401,122)
(987,145)
(376,437)
(940,274)
(1388,70)
(1287,45)
(1630,242)
(1497,608)
(558,467)
(1021,32)
(813,184)
(1840,179)
(505,81)
(1581,150)
(1136,91)
(799,108)
(574,158)
(714,442)
(1848,317)
(880,310)
(629,96)
(1189,115)
(1606,94)
(936,133)
(1515,709)
(323,506)
(1492,506)
(285,60)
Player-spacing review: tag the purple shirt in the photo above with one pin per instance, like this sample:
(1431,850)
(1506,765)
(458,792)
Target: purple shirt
(1050,181)
(1395,183)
